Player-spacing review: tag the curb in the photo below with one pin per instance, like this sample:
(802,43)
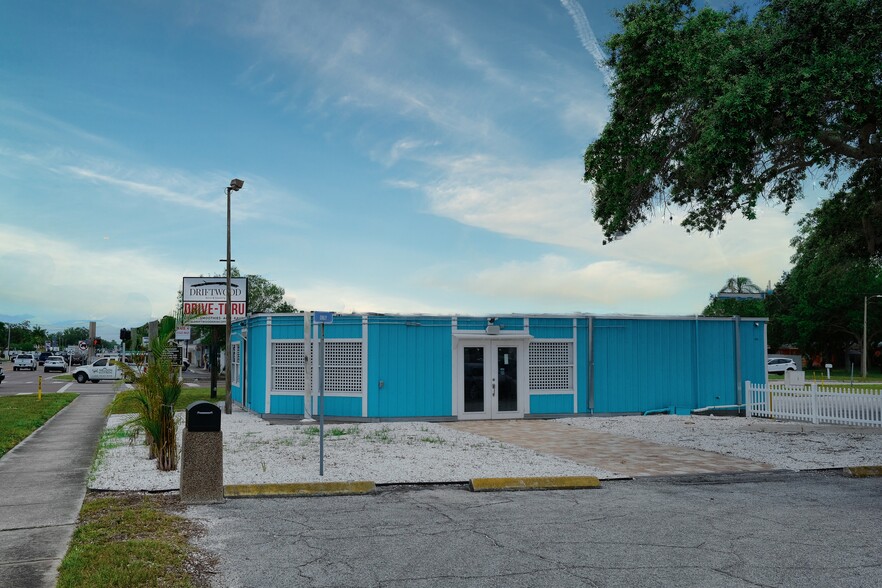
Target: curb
(863,471)
(539,483)
(303,489)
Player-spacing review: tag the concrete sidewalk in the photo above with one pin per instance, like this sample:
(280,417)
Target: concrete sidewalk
(42,486)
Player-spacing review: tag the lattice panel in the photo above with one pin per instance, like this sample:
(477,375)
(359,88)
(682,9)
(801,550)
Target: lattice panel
(551,365)
(343,366)
(235,360)
(288,367)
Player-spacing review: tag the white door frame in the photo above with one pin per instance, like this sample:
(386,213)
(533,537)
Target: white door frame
(491,345)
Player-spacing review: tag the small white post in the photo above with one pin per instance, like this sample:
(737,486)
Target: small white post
(815,402)
(748,404)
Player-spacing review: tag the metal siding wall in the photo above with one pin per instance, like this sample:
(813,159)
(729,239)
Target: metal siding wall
(340,406)
(643,364)
(611,360)
(345,326)
(551,404)
(257,375)
(287,327)
(286,404)
(414,363)
(665,364)
(753,363)
(716,362)
(551,328)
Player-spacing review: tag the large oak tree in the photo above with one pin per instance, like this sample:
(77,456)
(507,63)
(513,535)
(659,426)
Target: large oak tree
(715,110)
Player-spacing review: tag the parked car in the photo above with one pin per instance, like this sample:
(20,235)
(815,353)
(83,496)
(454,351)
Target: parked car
(42,357)
(779,365)
(24,361)
(103,369)
(55,363)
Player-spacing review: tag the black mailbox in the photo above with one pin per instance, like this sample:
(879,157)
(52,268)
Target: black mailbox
(203,416)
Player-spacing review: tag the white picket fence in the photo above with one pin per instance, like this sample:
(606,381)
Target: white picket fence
(840,405)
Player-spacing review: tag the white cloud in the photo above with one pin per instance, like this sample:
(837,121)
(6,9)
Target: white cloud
(120,286)
(157,191)
(346,298)
(548,204)
(605,284)
(39,124)
(203,191)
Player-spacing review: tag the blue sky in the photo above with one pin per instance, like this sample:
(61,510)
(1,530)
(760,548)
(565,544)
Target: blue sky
(397,157)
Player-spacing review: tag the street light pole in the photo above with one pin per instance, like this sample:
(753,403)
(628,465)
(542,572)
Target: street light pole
(864,350)
(235,185)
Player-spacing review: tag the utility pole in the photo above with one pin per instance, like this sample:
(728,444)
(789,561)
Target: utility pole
(214,356)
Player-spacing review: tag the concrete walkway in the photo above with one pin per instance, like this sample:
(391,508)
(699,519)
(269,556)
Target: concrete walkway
(42,486)
(614,453)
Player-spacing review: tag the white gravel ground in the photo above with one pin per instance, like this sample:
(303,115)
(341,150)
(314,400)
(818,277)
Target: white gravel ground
(788,445)
(406,452)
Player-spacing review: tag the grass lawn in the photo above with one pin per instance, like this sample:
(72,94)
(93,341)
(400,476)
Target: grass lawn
(128,540)
(125,403)
(22,415)
(134,539)
(820,376)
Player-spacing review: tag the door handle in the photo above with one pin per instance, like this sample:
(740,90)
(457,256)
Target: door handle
(493,385)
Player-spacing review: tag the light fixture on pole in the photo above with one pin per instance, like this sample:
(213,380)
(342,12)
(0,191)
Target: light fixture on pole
(864,349)
(235,185)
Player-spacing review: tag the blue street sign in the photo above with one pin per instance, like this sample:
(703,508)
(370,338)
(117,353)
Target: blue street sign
(322,317)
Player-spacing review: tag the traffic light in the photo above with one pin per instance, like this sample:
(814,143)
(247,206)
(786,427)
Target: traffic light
(97,342)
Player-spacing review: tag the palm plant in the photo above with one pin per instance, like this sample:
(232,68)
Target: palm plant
(156,390)
(741,285)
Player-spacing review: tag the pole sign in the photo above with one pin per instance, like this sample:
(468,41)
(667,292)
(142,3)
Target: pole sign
(182,334)
(321,317)
(206,299)
(174,354)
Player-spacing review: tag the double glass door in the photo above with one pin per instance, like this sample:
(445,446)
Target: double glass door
(490,380)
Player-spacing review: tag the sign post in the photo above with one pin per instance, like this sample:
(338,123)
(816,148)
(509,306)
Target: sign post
(322,318)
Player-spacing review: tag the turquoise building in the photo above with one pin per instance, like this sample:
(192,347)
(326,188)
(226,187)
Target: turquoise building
(379,366)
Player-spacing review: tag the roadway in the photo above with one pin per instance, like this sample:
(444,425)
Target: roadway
(26,382)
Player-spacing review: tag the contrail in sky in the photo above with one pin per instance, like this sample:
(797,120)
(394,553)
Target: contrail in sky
(589,41)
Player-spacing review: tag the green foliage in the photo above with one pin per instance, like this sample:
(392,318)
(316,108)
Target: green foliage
(22,415)
(725,306)
(713,111)
(735,307)
(819,303)
(23,336)
(264,296)
(126,402)
(156,390)
(72,336)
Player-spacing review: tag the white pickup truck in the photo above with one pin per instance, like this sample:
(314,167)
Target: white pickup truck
(105,368)
(24,361)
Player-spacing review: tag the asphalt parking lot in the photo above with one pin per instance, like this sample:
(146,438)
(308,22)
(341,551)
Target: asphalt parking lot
(760,529)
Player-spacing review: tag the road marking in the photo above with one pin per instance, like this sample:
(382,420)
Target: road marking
(65,387)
